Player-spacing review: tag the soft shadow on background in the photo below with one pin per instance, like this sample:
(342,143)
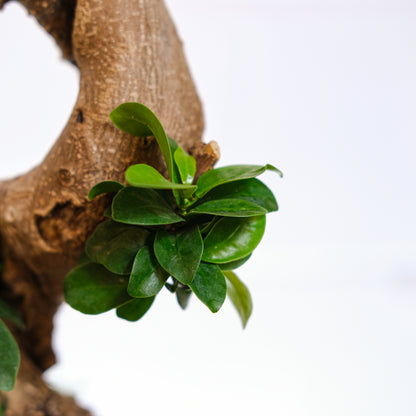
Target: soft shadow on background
(326,91)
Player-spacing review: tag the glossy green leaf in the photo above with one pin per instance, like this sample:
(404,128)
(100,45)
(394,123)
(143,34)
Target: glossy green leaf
(142,206)
(104,187)
(220,176)
(179,252)
(178,194)
(135,308)
(145,176)
(92,289)
(9,358)
(186,165)
(173,147)
(251,190)
(229,208)
(239,296)
(147,276)
(183,294)
(138,120)
(232,265)
(233,238)
(9,314)
(209,286)
(115,245)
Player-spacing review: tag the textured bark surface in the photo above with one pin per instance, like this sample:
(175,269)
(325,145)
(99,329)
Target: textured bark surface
(125,51)
(32,397)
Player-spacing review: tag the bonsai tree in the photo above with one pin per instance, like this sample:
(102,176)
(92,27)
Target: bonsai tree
(126,52)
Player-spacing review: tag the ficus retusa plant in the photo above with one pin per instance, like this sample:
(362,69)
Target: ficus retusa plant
(178,233)
(184,234)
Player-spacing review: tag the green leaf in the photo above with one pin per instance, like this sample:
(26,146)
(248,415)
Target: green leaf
(142,206)
(233,238)
(135,309)
(229,208)
(173,147)
(92,289)
(104,187)
(251,190)
(9,358)
(186,165)
(183,294)
(115,245)
(9,314)
(147,277)
(179,252)
(145,176)
(184,193)
(239,296)
(138,120)
(220,176)
(232,265)
(209,286)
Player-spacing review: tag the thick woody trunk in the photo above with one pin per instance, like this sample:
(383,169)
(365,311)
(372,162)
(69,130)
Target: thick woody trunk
(126,50)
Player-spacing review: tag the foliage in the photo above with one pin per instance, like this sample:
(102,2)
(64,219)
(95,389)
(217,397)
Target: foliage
(9,351)
(192,232)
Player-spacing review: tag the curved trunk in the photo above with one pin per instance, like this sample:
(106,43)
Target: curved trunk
(125,51)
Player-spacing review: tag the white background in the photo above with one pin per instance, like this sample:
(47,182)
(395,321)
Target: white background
(326,91)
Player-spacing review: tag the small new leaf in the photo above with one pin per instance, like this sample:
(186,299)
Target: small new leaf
(138,120)
(239,296)
(186,165)
(145,176)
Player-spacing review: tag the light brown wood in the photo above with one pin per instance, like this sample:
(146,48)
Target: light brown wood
(126,50)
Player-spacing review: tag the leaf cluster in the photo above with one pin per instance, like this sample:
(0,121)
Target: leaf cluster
(180,233)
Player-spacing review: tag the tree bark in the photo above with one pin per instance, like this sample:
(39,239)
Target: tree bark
(126,50)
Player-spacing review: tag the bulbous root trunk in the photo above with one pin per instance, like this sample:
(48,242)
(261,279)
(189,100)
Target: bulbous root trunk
(125,51)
